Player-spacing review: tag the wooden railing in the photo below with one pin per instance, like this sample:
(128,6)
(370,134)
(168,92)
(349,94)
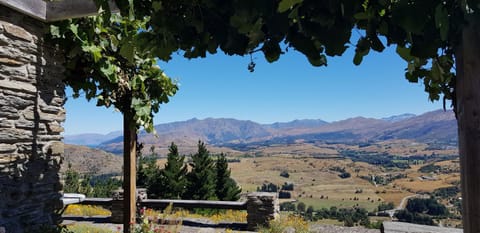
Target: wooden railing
(261,207)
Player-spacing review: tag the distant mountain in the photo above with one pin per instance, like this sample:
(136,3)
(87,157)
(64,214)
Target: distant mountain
(399,117)
(90,139)
(432,127)
(307,123)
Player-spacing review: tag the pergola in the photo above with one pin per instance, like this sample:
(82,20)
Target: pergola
(467,100)
(51,11)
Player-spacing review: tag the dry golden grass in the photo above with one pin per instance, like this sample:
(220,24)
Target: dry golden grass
(312,179)
(86,210)
(393,195)
(296,150)
(415,183)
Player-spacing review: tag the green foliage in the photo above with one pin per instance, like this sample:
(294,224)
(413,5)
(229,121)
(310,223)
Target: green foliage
(91,186)
(174,173)
(104,62)
(288,186)
(72,180)
(226,188)
(425,33)
(270,187)
(201,179)
(385,206)
(427,206)
(344,175)
(301,207)
(429,168)
(447,192)
(103,185)
(287,206)
(418,218)
(284,174)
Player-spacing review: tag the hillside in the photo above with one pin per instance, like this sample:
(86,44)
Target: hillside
(86,160)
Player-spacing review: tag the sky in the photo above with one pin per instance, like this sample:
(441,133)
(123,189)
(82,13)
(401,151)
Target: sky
(221,86)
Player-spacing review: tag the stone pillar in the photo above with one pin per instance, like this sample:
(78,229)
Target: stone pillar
(31,117)
(117,203)
(262,207)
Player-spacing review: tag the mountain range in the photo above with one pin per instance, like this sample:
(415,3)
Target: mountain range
(436,127)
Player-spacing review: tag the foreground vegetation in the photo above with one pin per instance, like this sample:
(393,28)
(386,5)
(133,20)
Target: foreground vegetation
(337,190)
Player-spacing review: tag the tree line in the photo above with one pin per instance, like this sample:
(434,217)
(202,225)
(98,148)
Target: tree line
(207,179)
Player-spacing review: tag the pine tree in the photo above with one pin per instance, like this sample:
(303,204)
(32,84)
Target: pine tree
(201,179)
(147,170)
(174,175)
(226,188)
(72,180)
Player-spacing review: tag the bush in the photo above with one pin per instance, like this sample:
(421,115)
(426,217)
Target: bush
(287,186)
(345,175)
(284,174)
(287,206)
(284,195)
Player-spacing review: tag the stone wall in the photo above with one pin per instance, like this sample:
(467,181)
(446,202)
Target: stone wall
(31,117)
(262,207)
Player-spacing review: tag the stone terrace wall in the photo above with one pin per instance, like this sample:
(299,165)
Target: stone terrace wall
(31,114)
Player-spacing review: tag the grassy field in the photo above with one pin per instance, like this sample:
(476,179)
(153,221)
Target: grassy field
(312,179)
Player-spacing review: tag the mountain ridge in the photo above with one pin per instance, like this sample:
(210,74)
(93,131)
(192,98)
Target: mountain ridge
(432,127)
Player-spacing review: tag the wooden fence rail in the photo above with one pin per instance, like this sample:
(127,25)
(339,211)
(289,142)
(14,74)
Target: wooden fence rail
(261,207)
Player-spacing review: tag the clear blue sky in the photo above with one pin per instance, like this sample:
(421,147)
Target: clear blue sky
(221,86)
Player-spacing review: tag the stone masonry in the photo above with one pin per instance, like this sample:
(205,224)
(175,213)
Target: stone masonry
(31,117)
(262,207)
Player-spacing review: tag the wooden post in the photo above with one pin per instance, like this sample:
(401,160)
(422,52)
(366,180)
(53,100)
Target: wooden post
(129,170)
(468,116)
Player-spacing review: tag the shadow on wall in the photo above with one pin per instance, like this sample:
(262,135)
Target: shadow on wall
(31,117)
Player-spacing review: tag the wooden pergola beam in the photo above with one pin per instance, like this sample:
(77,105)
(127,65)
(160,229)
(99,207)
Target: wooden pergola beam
(51,11)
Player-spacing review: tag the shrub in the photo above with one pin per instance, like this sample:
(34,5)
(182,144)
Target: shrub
(284,174)
(284,195)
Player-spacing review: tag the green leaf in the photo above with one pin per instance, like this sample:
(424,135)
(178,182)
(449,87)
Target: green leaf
(284,5)
(376,44)
(157,5)
(74,29)
(127,51)
(318,61)
(404,53)
(95,51)
(272,51)
(55,31)
(361,16)
(441,21)
(114,43)
(357,59)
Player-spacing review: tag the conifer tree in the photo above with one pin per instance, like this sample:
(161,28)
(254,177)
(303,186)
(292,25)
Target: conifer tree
(226,188)
(174,175)
(201,179)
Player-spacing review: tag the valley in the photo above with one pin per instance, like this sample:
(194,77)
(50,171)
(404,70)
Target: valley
(355,163)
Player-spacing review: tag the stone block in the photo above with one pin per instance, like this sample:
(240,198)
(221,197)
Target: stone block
(28,96)
(15,135)
(10,62)
(18,86)
(7,148)
(54,148)
(54,127)
(5,123)
(16,32)
(15,101)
